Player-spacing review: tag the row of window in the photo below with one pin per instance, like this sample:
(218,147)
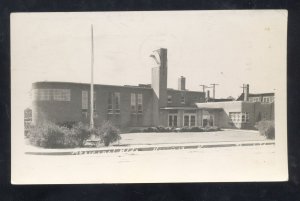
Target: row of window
(267,99)
(189,120)
(182,99)
(113,104)
(114,98)
(52,94)
(239,117)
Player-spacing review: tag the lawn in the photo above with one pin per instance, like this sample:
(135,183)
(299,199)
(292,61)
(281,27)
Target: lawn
(192,137)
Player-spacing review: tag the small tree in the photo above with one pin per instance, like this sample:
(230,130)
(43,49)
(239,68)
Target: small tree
(108,133)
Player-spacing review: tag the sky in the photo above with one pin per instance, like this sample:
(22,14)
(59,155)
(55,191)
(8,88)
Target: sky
(229,48)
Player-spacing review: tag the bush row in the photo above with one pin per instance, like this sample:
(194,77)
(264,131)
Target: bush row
(161,129)
(49,135)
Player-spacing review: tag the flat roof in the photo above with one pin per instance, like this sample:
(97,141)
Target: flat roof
(142,86)
(88,84)
(179,108)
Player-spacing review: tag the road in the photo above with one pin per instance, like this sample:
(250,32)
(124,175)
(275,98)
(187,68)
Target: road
(255,163)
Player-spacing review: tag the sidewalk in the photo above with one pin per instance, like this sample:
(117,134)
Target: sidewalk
(135,148)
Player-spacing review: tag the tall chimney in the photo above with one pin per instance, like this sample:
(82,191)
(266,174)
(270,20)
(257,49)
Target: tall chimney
(181,83)
(246,92)
(159,83)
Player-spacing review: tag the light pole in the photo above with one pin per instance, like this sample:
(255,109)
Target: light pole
(92,79)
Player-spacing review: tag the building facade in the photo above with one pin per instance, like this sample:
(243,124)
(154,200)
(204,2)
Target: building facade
(145,105)
(125,106)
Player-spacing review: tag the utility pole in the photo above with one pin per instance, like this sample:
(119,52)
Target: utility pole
(92,79)
(203,87)
(244,87)
(214,90)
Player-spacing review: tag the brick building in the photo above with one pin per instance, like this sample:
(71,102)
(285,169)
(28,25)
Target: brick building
(144,105)
(125,106)
(242,113)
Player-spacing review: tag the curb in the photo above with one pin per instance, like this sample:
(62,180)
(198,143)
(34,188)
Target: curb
(152,148)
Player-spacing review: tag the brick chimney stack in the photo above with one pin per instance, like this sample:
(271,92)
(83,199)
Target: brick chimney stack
(246,92)
(207,95)
(181,83)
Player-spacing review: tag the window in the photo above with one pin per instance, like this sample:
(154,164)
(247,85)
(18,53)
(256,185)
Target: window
(133,103)
(136,105)
(169,99)
(193,120)
(52,94)
(189,120)
(62,94)
(117,102)
(140,103)
(45,94)
(110,103)
(84,100)
(175,120)
(268,99)
(186,120)
(255,99)
(239,117)
(172,120)
(113,105)
(182,99)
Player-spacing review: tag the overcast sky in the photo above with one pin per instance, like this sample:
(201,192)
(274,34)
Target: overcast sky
(225,47)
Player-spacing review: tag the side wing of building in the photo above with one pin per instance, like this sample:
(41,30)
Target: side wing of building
(61,102)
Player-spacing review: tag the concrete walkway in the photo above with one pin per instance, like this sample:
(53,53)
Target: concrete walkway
(135,148)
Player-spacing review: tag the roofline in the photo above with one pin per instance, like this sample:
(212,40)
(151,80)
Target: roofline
(178,108)
(104,85)
(170,89)
(108,85)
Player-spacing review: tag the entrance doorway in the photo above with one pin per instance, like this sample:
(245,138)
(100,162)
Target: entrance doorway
(208,120)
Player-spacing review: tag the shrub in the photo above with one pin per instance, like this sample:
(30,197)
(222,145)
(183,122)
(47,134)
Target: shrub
(184,129)
(266,128)
(150,130)
(81,133)
(48,135)
(196,129)
(162,129)
(135,130)
(108,133)
(68,124)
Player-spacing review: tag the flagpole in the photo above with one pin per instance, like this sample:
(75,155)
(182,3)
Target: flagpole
(92,80)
